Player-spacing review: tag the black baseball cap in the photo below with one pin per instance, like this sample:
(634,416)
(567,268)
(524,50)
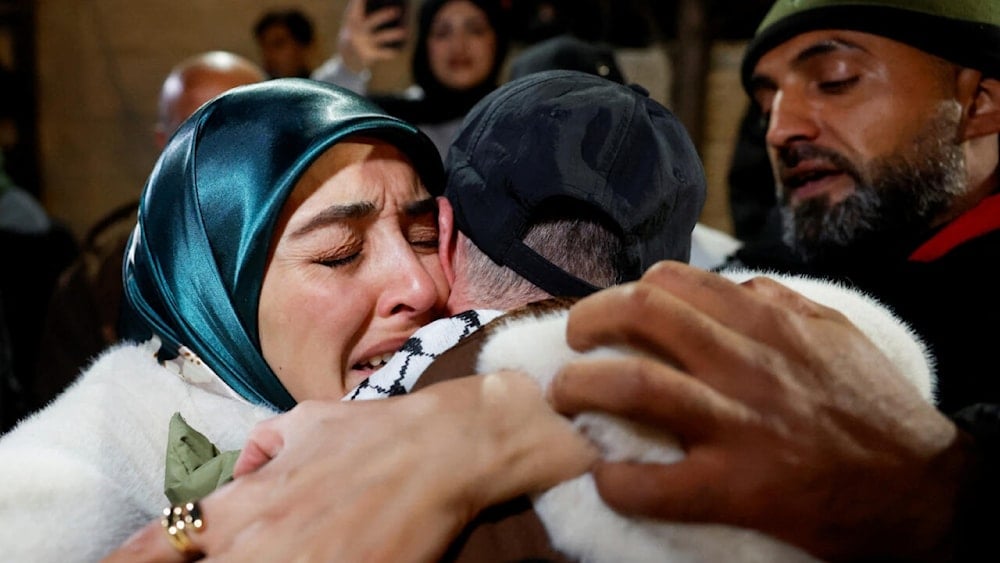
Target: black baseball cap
(577,139)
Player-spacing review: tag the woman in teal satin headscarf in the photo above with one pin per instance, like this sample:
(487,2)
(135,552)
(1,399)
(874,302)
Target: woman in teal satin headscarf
(286,243)
(194,272)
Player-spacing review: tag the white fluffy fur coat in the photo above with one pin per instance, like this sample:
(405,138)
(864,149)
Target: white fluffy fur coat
(77,478)
(580,525)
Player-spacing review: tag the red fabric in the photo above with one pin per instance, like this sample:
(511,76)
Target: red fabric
(975,222)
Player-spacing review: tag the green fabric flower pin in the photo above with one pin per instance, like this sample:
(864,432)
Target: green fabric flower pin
(195,467)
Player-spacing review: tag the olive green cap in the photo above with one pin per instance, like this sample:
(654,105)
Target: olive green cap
(965,32)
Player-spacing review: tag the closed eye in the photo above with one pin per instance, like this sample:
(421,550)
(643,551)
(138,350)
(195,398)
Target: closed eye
(340,255)
(337,262)
(422,228)
(423,238)
(838,86)
(429,244)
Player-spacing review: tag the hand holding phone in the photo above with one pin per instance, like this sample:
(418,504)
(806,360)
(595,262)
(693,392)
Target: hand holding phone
(400,21)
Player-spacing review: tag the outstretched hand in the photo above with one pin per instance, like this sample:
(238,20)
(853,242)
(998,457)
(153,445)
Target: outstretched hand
(793,422)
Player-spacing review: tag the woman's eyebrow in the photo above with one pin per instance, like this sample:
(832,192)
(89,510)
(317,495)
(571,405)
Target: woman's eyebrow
(336,214)
(421,207)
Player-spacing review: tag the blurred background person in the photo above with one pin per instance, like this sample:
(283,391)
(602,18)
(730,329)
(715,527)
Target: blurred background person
(568,52)
(460,50)
(286,42)
(87,311)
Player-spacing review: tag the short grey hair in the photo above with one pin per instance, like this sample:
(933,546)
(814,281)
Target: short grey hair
(584,247)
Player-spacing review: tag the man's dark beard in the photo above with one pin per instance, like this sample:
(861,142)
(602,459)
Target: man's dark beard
(895,202)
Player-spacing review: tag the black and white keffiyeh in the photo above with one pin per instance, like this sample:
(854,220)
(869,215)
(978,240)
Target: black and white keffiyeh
(400,373)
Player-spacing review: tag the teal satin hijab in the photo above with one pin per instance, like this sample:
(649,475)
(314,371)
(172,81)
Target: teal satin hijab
(196,259)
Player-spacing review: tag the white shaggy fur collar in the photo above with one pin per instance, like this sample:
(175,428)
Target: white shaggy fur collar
(84,473)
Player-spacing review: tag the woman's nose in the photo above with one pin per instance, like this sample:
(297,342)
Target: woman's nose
(410,287)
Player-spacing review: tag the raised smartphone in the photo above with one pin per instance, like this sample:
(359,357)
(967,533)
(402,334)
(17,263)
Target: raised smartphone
(372,5)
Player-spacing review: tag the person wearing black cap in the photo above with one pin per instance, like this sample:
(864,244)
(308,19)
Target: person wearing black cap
(460,49)
(559,184)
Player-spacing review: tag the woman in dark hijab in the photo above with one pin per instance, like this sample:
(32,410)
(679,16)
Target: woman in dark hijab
(459,52)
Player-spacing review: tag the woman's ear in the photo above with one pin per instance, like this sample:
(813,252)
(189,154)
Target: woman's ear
(447,238)
(983,112)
